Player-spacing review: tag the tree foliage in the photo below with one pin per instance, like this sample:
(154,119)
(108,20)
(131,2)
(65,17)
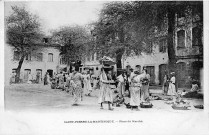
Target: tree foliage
(124,26)
(74,40)
(22,29)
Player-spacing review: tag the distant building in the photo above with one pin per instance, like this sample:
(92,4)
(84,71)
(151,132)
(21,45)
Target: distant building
(45,59)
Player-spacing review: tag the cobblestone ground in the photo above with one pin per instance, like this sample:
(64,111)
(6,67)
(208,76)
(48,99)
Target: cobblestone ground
(37,97)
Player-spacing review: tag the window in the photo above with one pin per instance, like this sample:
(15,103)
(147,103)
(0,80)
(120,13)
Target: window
(28,56)
(16,55)
(50,57)
(39,57)
(97,55)
(180,39)
(46,40)
(162,45)
(150,45)
(196,36)
(14,70)
(181,66)
(63,60)
(88,58)
(92,57)
(97,68)
(181,13)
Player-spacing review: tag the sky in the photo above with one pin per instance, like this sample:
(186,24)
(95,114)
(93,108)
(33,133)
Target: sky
(54,14)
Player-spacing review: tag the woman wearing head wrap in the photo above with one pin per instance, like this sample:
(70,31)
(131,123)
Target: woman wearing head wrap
(76,83)
(121,83)
(172,87)
(88,89)
(105,94)
(134,88)
(145,79)
(165,83)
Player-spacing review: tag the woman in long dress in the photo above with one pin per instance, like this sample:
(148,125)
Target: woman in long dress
(88,84)
(61,81)
(121,84)
(76,83)
(95,81)
(45,79)
(105,94)
(145,79)
(172,87)
(135,86)
(48,79)
(165,84)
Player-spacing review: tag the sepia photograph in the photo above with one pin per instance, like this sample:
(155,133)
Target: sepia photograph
(83,67)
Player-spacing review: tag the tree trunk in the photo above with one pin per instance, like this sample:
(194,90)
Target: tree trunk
(170,42)
(170,39)
(17,80)
(119,55)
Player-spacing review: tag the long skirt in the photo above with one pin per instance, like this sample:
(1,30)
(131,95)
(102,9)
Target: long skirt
(86,87)
(165,88)
(61,83)
(135,95)
(171,89)
(121,89)
(95,84)
(77,93)
(144,92)
(105,93)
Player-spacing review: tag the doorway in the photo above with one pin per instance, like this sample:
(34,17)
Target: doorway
(38,75)
(50,72)
(181,74)
(151,72)
(26,74)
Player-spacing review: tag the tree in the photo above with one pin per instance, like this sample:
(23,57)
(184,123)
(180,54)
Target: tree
(22,33)
(121,28)
(74,40)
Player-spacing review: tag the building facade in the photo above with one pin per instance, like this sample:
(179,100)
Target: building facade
(44,59)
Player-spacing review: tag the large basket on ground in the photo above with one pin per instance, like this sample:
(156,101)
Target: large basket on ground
(176,107)
(146,105)
(199,106)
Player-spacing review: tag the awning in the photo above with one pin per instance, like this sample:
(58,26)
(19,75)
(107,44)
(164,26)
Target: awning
(88,68)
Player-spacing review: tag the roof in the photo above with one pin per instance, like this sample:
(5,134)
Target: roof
(48,44)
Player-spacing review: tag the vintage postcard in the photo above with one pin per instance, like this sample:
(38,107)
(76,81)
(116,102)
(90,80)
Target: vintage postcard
(104,67)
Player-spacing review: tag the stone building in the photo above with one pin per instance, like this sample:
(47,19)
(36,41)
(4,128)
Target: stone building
(44,59)
(188,44)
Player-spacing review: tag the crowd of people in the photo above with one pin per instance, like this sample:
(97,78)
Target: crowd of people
(130,88)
